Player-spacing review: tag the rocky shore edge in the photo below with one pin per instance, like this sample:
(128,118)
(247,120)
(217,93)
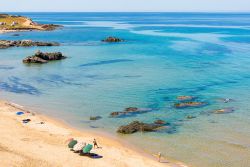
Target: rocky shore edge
(4,44)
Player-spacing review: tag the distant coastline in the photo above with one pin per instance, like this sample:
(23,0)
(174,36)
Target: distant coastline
(15,23)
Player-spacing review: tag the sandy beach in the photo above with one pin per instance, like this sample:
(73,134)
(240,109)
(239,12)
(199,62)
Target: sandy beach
(44,145)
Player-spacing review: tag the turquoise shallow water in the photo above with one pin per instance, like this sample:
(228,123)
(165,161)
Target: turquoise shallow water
(165,55)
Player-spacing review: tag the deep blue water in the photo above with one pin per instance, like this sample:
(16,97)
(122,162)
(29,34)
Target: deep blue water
(206,55)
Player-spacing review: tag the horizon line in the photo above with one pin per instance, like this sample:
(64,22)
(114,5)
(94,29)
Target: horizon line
(125,11)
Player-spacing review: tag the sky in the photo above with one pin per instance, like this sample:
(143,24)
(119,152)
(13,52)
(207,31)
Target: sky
(125,5)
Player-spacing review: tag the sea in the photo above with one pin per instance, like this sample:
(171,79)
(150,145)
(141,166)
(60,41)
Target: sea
(164,56)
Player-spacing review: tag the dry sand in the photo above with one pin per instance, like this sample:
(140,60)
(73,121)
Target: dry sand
(44,145)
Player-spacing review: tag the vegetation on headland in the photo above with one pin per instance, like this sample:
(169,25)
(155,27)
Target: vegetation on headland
(22,23)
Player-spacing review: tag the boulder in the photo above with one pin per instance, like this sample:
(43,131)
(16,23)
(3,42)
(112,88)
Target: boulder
(189,104)
(50,56)
(112,39)
(136,126)
(34,59)
(41,57)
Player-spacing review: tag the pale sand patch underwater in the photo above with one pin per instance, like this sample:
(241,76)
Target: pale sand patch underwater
(43,145)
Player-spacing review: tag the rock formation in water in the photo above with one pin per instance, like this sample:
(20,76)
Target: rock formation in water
(130,111)
(185,98)
(138,126)
(25,43)
(189,104)
(94,118)
(112,39)
(41,57)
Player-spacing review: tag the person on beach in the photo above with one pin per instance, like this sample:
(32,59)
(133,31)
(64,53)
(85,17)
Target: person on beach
(159,157)
(95,144)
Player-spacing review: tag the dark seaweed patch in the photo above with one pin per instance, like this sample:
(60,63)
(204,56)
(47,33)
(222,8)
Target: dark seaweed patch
(105,62)
(56,80)
(15,85)
(3,67)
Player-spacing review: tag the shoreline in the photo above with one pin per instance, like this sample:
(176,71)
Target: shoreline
(113,149)
(8,31)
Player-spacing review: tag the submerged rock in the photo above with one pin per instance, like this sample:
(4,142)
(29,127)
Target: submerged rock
(16,35)
(136,126)
(160,122)
(41,57)
(114,114)
(190,117)
(189,104)
(130,111)
(24,43)
(224,110)
(185,97)
(112,39)
(94,118)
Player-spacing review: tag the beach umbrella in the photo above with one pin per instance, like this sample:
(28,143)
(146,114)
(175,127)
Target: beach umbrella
(87,149)
(79,146)
(72,143)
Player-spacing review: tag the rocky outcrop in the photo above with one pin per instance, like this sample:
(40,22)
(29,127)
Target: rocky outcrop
(185,98)
(112,39)
(189,104)
(41,57)
(130,111)
(50,27)
(25,43)
(137,126)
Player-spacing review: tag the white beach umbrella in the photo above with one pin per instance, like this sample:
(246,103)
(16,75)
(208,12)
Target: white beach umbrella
(79,146)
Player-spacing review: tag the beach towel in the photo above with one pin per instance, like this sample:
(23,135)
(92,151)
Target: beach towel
(79,146)
(72,143)
(20,113)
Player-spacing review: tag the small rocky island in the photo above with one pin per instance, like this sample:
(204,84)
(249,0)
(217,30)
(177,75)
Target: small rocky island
(10,23)
(113,39)
(24,43)
(41,57)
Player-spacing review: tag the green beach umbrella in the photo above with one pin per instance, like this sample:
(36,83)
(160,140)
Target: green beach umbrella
(72,143)
(87,148)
